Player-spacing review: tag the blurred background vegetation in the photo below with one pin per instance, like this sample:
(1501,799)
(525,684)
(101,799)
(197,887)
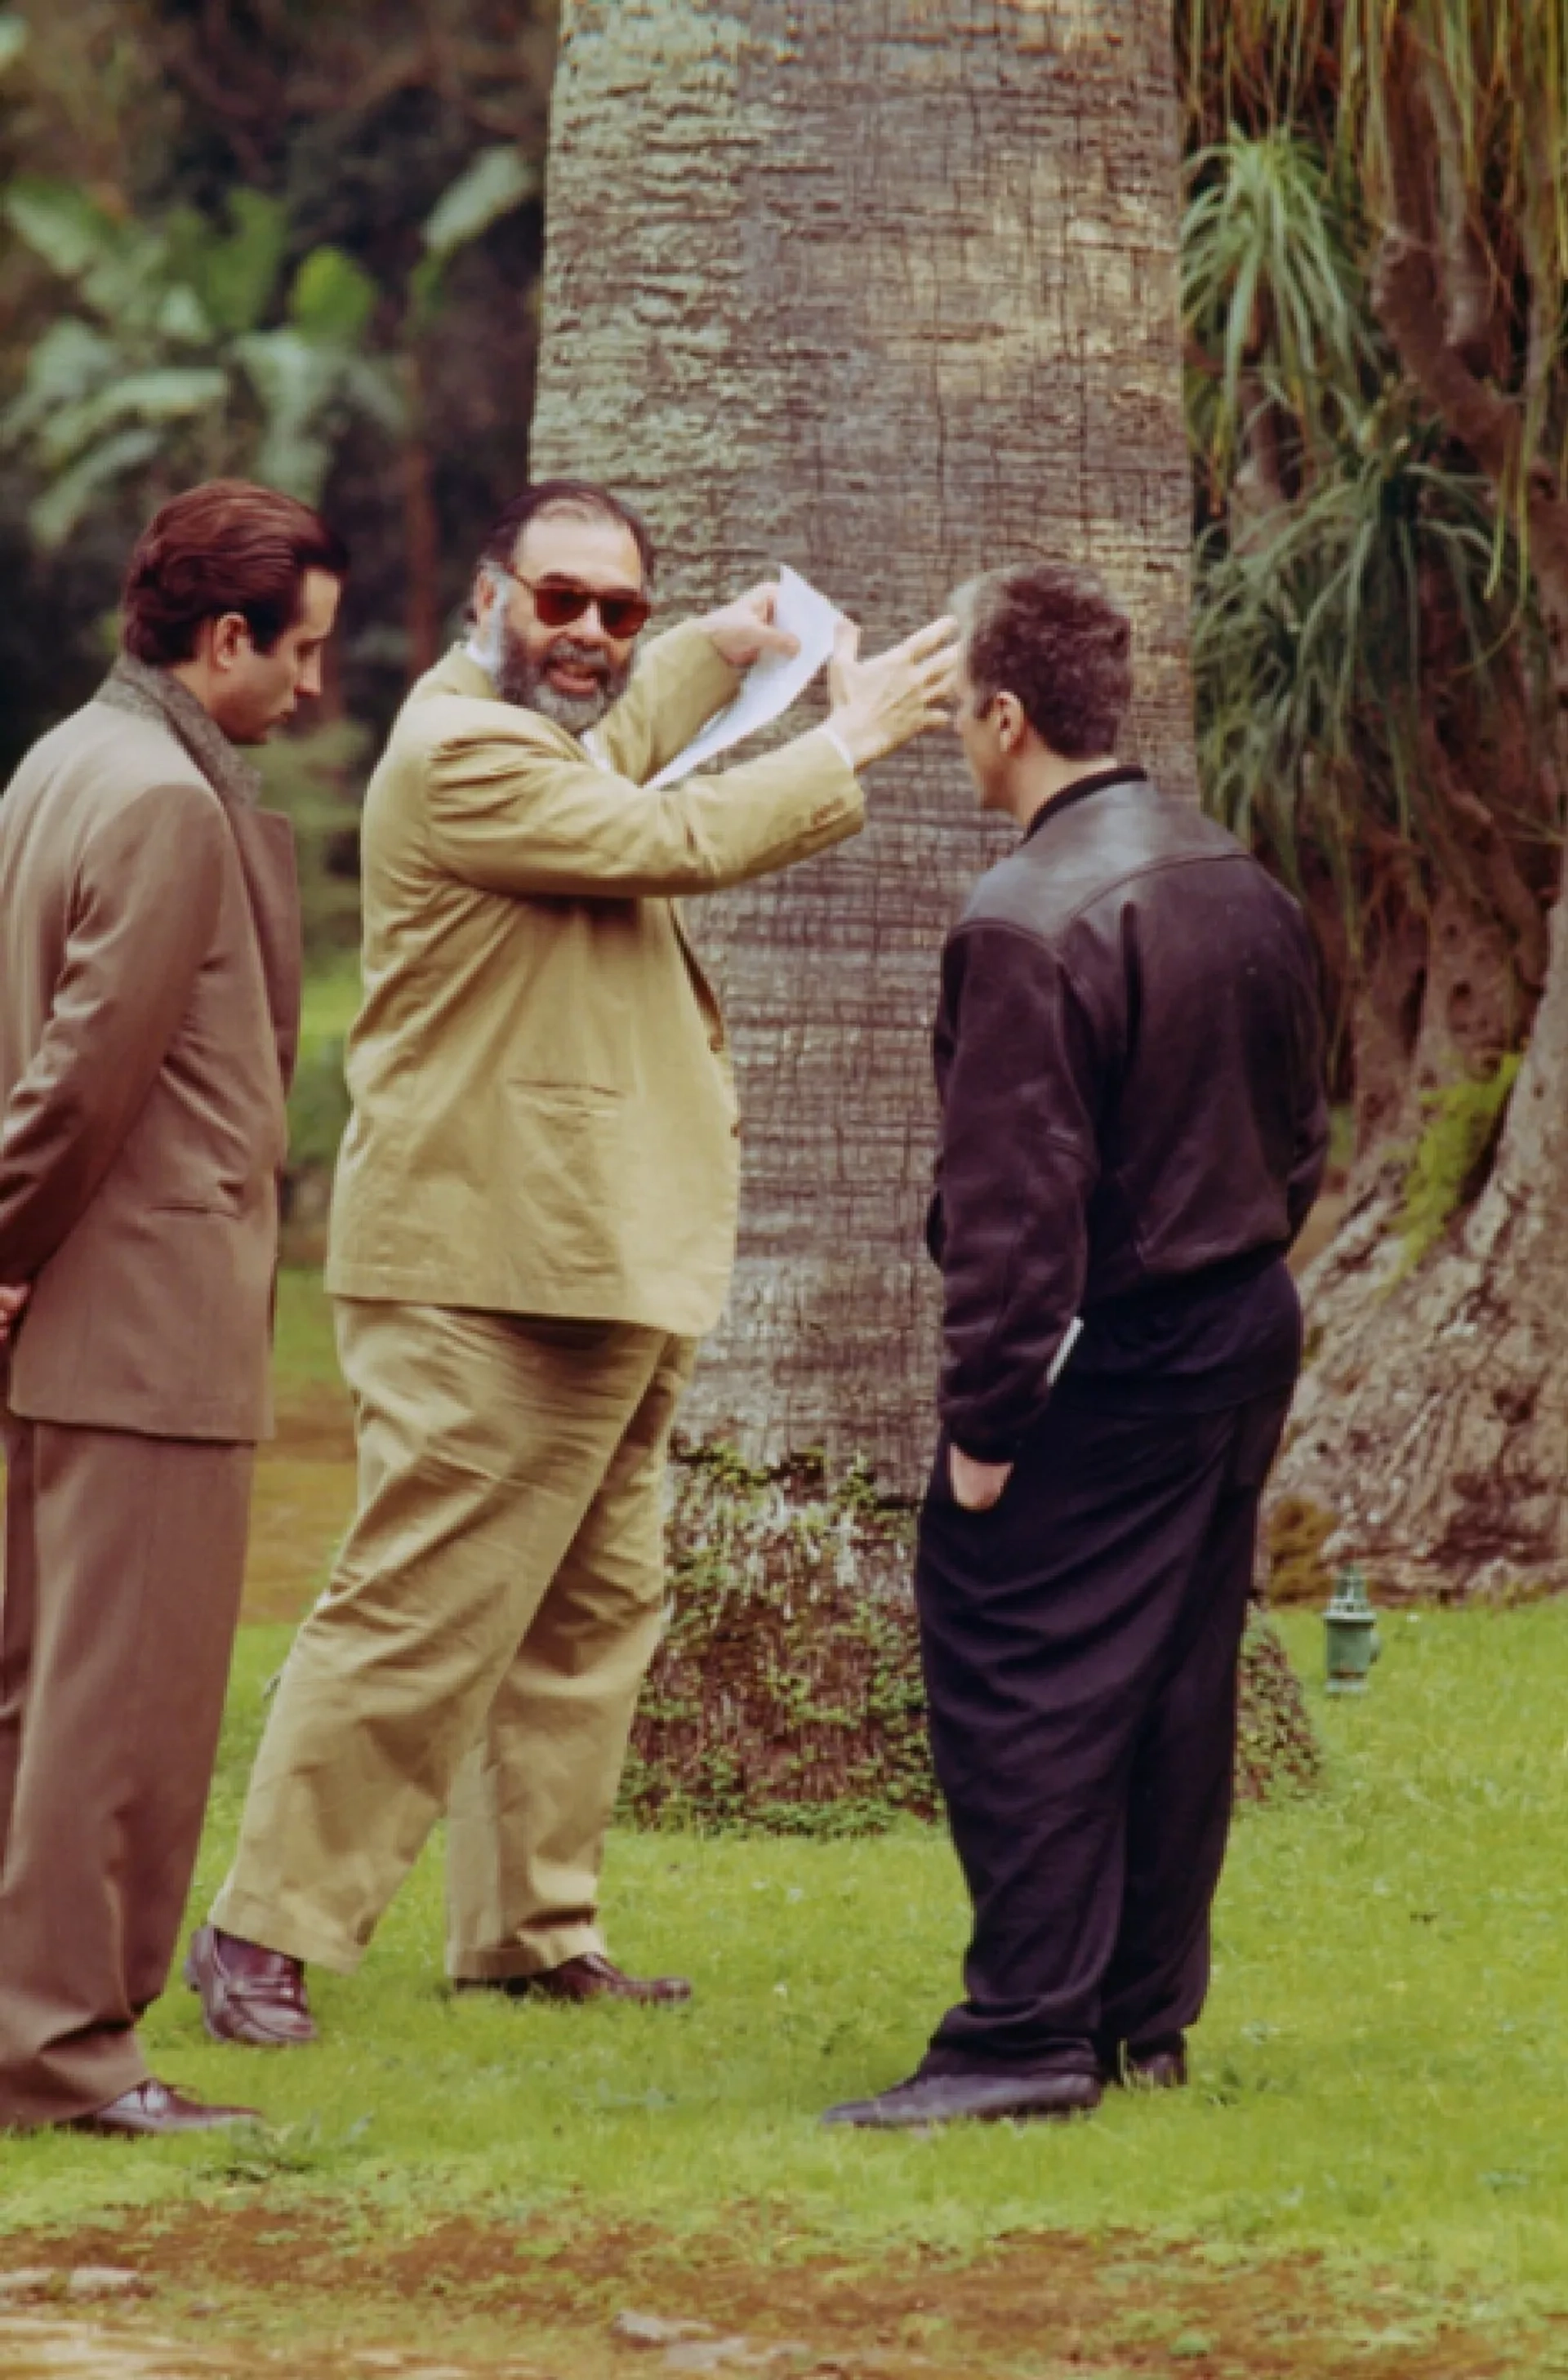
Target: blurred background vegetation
(301,239)
(297,239)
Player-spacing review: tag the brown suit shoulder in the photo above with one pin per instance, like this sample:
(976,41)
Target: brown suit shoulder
(148,978)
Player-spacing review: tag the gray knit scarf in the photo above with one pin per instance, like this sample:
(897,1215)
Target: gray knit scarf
(149,693)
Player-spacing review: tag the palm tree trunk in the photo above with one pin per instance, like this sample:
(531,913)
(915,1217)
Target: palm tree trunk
(887,293)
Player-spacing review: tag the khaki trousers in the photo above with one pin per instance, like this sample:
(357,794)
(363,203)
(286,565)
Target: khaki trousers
(481,1646)
(123,1562)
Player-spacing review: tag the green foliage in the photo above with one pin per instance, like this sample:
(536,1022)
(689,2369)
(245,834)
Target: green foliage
(318,1110)
(162,370)
(232,274)
(1315,645)
(274,170)
(787,1696)
(333,300)
(333,995)
(316,778)
(305,1366)
(1350,568)
(498,180)
(1373,681)
(1448,1163)
(1271,291)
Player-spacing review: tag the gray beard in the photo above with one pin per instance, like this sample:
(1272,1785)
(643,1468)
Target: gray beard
(521,680)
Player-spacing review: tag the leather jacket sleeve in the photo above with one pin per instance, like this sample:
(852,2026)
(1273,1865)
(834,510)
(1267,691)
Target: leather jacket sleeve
(1018,1075)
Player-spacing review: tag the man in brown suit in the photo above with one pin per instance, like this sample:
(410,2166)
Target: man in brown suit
(534,1223)
(148,1002)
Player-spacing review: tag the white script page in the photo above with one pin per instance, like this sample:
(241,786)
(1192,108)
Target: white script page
(771,685)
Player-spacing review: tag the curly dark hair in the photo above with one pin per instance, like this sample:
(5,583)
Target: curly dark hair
(225,546)
(1056,638)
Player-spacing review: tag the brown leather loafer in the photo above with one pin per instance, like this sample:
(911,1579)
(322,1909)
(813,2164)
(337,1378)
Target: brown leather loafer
(155,2111)
(592,1977)
(249,1995)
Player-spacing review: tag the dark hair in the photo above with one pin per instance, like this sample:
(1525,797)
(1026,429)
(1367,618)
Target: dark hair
(226,546)
(1057,640)
(584,496)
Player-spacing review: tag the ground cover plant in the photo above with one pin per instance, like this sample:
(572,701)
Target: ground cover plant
(787,1696)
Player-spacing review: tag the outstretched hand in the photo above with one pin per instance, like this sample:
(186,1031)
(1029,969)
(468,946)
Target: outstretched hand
(880,704)
(744,630)
(11,1304)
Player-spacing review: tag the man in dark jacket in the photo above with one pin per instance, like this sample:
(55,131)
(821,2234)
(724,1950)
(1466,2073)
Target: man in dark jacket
(1133,1130)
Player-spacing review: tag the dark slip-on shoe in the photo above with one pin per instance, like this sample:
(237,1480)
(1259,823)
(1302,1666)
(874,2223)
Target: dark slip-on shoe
(1161,2068)
(591,1977)
(1159,2065)
(928,2099)
(249,1995)
(155,2112)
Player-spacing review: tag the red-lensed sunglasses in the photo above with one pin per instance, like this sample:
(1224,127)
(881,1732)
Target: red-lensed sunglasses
(558,601)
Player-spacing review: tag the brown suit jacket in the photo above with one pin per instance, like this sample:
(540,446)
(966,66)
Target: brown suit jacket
(149,1009)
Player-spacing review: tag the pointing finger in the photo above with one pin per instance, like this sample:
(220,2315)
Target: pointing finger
(935,635)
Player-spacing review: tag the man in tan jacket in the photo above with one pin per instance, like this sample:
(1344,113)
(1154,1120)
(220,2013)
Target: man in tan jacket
(534,1224)
(149,997)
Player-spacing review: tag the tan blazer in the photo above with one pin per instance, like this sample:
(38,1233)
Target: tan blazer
(543,1115)
(149,1010)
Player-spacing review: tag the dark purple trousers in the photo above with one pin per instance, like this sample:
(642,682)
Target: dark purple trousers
(1080,1643)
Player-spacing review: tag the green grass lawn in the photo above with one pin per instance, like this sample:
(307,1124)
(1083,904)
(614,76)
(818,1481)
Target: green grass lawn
(331,1003)
(1380,2077)
(304,1353)
(1382,2072)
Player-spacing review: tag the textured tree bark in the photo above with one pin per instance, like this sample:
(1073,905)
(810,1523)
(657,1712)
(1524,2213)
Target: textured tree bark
(1437,1432)
(1433,1422)
(888,292)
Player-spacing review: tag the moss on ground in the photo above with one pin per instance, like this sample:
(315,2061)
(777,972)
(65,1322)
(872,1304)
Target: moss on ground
(787,1695)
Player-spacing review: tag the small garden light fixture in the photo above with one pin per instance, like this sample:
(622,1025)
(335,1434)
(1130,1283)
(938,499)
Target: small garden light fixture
(1351,1640)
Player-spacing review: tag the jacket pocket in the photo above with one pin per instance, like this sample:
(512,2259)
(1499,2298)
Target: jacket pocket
(569,1175)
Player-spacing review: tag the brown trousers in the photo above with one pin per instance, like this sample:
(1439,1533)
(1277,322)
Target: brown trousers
(125,1557)
(480,1647)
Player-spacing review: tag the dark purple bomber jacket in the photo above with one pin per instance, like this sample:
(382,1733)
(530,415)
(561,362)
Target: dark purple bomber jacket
(1128,1059)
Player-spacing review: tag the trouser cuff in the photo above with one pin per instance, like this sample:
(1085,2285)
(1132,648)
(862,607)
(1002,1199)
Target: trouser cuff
(82,2093)
(1062,2057)
(294,1935)
(535,1957)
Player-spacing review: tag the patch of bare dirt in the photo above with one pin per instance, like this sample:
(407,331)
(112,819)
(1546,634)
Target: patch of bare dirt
(468,2298)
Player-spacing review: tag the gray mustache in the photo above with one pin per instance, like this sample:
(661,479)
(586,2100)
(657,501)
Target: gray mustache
(567,649)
